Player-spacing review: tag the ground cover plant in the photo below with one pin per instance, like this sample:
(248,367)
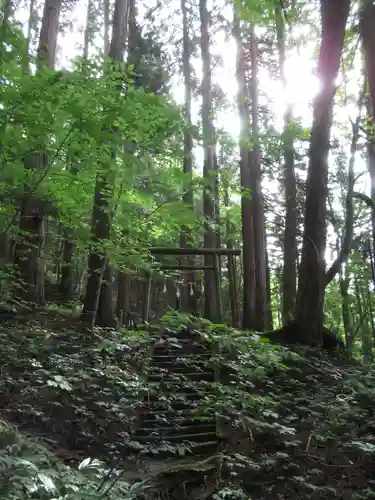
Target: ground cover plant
(292,422)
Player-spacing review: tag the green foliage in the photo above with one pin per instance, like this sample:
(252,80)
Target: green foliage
(29,470)
(284,416)
(80,119)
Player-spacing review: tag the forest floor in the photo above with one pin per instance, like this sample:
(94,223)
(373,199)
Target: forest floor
(295,423)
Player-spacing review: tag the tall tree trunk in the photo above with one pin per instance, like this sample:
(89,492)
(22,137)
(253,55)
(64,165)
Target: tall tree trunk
(6,12)
(261,302)
(133,34)
(106,10)
(345,309)
(189,300)
(88,28)
(217,204)
(210,302)
(48,33)
(123,303)
(310,297)
(106,311)
(31,25)
(123,306)
(232,271)
(5,248)
(29,251)
(66,285)
(366,337)
(367,20)
(246,209)
(289,276)
(371,164)
(269,292)
(101,215)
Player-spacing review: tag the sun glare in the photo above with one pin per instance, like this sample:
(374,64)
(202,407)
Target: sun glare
(302,84)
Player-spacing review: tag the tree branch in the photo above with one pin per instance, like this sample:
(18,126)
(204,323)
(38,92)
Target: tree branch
(349,218)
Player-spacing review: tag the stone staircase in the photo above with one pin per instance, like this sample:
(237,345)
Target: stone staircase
(171,422)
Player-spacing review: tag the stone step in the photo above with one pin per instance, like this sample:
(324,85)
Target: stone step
(180,394)
(187,413)
(171,357)
(171,419)
(206,376)
(182,405)
(177,438)
(172,422)
(180,348)
(171,383)
(196,449)
(180,365)
(165,432)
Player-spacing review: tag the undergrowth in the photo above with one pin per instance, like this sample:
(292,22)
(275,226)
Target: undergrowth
(293,423)
(29,471)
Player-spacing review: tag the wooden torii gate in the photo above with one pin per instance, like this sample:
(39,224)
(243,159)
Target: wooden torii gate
(216,254)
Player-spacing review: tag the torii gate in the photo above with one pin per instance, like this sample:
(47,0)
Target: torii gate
(216,254)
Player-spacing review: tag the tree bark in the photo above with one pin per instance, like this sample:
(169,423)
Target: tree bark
(289,275)
(66,285)
(123,297)
(48,33)
(345,311)
(87,36)
(106,26)
(261,301)
(246,211)
(232,271)
(346,244)
(367,18)
(7,10)
(106,313)
(188,299)
(210,302)
(101,215)
(310,297)
(29,251)
(269,293)
(5,248)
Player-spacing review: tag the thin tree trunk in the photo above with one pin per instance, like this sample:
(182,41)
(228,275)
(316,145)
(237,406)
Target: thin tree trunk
(347,239)
(261,302)
(289,276)
(345,310)
(232,271)
(210,302)
(7,10)
(106,9)
(101,216)
(246,208)
(5,241)
(66,285)
(311,286)
(106,313)
(367,20)
(366,337)
(269,293)
(30,26)
(189,300)
(87,36)
(123,297)
(29,251)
